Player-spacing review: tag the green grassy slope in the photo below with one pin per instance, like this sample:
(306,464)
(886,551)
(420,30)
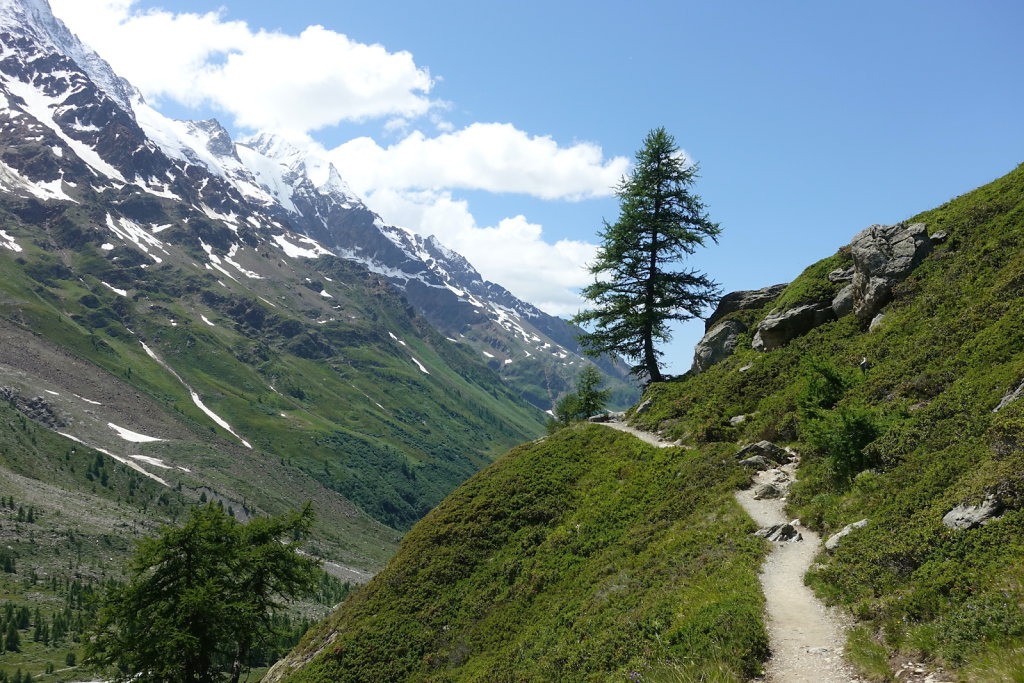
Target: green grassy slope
(585,556)
(329,385)
(591,556)
(950,347)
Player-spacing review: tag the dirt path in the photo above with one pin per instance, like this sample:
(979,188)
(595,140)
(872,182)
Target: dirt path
(806,637)
(646,437)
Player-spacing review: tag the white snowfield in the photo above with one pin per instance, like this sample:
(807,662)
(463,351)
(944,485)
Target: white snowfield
(420,365)
(129,435)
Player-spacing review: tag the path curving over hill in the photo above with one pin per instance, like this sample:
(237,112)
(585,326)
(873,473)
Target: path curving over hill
(646,437)
(806,637)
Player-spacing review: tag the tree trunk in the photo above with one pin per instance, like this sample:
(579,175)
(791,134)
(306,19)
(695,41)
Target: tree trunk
(241,652)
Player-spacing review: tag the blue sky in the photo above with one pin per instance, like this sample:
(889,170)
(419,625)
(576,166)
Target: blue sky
(810,120)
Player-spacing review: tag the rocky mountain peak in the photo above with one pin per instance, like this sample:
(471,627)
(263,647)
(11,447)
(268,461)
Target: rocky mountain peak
(218,140)
(33,19)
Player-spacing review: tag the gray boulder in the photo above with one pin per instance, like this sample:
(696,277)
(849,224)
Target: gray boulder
(835,539)
(965,516)
(742,301)
(644,407)
(780,533)
(841,275)
(876,321)
(736,420)
(778,328)
(758,462)
(940,237)
(766,491)
(717,345)
(882,256)
(766,450)
(842,304)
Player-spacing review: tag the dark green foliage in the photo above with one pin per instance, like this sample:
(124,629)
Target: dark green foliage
(199,596)
(640,287)
(841,437)
(586,400)
(576,558)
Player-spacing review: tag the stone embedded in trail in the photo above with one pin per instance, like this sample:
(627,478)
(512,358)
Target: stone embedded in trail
(717,345)
(835,539)
(882,256)
(780,533)
(765,491)
(778,328)
(757,462)
(744,300)
(965,516)
(765,449)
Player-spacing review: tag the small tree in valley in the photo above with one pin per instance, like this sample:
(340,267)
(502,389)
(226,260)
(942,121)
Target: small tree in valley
(640,287)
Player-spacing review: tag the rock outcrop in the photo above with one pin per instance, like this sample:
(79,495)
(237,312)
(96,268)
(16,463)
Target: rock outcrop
(764,449)
(835,539)
(841,275)
(842,302)
(1010,397)
(965,516)
(882,256)
(717,345)
(779,327)
(37,409)
(744,300)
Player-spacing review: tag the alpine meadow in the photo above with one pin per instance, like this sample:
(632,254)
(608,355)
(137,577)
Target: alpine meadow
(379,375)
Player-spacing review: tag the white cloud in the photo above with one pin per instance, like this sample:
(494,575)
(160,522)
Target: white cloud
(513,253)
(263,79)
(495,157)
(298,84)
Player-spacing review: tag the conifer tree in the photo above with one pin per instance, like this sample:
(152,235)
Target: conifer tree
(640,284)
(585,401)
(199,595)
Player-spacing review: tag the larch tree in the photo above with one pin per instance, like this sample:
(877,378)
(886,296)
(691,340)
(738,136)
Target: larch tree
(199,596)
(641,284)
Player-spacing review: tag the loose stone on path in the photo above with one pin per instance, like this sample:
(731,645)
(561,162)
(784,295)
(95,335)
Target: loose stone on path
(805,637)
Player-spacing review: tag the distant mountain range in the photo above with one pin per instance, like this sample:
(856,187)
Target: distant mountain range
(272,190)
(227,321)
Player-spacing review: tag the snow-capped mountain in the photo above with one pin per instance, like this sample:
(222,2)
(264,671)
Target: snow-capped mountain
(74,131)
